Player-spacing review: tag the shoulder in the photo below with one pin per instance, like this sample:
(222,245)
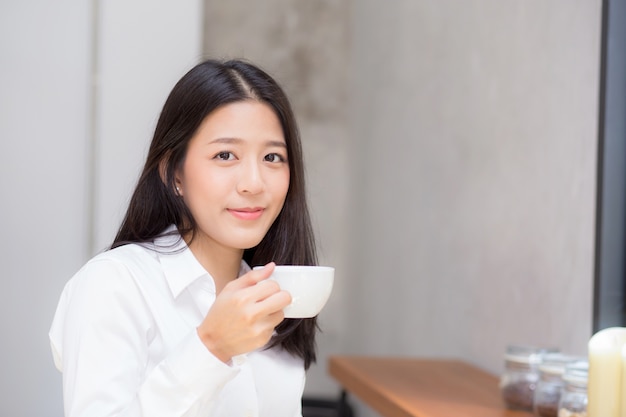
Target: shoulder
(105,295)
(115,272)
(130,253)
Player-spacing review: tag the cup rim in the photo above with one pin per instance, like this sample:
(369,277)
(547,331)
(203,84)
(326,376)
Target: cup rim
(299,267)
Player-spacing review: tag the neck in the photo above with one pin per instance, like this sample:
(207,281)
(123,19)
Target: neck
(222,263)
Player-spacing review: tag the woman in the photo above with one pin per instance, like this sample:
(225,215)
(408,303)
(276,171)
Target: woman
(171,321)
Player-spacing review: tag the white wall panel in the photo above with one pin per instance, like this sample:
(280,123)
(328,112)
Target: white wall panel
(144,47)
(50,188)
(44,108)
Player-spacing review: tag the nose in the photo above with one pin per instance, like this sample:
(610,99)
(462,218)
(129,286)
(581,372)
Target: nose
(250,178)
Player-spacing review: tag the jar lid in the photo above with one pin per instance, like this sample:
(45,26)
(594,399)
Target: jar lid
(576,373)
(526,354)
(555,363)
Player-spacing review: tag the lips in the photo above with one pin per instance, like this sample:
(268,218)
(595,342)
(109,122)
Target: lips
(247,213)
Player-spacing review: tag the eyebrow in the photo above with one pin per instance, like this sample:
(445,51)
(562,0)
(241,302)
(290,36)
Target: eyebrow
(277,143)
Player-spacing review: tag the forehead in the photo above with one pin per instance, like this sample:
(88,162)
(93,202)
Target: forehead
(242,120)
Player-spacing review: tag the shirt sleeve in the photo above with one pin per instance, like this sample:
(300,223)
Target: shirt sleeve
(100,341)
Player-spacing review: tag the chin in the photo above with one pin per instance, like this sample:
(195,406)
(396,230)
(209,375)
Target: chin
(245,244)
(247,239)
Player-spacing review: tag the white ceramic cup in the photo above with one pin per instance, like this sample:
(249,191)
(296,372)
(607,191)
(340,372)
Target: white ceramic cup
(309,286)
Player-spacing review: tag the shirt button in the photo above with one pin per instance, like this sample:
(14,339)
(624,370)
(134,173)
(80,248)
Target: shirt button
(239,360)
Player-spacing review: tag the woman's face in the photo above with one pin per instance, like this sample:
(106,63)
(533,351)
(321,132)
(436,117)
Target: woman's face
(235,175)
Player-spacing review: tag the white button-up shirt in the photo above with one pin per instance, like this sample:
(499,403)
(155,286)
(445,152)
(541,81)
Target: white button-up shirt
(124,337)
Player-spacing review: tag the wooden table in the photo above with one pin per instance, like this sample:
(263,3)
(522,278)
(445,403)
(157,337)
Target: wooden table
(403,387)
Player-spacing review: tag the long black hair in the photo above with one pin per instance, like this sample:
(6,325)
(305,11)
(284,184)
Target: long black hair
(154,205)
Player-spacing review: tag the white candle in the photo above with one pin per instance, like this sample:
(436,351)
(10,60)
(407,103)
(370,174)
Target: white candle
(605,373)
(623,380)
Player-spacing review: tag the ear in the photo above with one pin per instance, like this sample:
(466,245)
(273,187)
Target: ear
(163,170)
(178,185)
(164,177)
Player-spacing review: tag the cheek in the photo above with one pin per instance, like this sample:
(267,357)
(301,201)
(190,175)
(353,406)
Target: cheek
(200,187)
(199,177)
(284,187)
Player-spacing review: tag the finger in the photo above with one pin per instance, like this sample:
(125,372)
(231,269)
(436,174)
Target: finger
(273,303)
(276,318)
(252,277)
(272,320)
(263,289)
(258,293)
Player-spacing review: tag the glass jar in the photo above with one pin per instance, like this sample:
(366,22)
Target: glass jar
(573,401)
(520,376)
(550,383)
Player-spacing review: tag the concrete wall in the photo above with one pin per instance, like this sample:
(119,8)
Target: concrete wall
(451,149)
(474,134)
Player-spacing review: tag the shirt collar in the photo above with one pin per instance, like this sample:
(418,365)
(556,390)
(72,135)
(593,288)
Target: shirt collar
(180,266)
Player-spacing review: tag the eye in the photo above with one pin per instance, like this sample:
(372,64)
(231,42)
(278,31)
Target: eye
(274,157)
(225,156)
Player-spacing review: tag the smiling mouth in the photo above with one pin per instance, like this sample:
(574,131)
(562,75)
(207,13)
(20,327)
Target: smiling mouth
(247,213)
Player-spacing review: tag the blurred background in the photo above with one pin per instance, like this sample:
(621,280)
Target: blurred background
(451,150)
